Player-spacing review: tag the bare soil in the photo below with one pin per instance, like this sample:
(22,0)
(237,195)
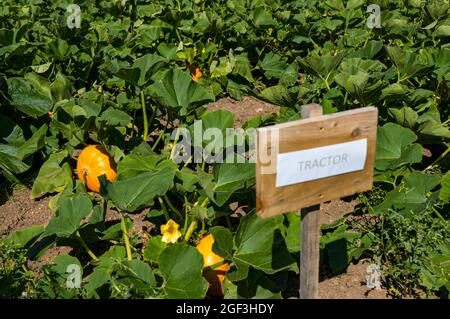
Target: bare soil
(351,284)
(245,109)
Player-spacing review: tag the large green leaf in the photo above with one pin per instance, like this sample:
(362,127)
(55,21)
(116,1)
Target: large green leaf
(274,67)
(10,161)
(405,116)
(136,275)
(154,248)
(408,64)
(52,176)
(262,17)
(14,154)
(361,79)
(24,237)
(36,142)
(176,90)
(259,285)
(181,267)
(61,263)
(215,125)
(10,132)
(134,164)
(396,147)
(231,177)
(26,99)
(413,195)
(223,241)
(139,191)
(99,277)
(114,117)
(227,179)
(260,244)
(71,211)
(139,73)
(220,119)
(321,66)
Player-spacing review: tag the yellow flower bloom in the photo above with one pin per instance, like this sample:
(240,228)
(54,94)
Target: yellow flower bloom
(170,232)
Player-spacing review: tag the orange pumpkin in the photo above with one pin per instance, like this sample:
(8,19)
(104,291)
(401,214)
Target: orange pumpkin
(215,276)
(93,162)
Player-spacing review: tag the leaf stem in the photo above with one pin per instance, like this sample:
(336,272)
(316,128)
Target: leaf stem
(205,202)
(187,162)
(172,207)
(214,266)
(438,214)
(186,214)
(190,230)
(144,113)
(166,214)
(178,34)
(202,231)
(161,134)
(85,246)
(177,136)
(440,158)
(125,237)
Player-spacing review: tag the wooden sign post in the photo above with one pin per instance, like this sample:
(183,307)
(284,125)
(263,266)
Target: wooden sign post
(303,163)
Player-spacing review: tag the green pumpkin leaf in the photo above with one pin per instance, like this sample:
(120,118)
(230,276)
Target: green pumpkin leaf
(154,248)
(52,176)
(35,143)
(223,242)
(176,90)
(408,64)
(182,267)
(139,191)
(25,237)
(98,278)
(26,99)
(396,147)
(260,244)
(71,212)
(228,178)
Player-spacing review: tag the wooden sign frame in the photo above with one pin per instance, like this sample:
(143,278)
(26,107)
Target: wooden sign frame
(314,131)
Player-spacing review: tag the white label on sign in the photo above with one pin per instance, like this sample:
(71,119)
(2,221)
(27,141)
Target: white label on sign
(315,163)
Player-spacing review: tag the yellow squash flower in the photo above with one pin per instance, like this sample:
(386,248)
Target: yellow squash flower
(170,232)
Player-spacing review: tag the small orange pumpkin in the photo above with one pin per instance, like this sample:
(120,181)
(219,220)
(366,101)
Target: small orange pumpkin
(93,162)
(215,276)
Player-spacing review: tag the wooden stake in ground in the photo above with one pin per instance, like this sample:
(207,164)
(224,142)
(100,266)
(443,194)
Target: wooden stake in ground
(303,163)
(310,234)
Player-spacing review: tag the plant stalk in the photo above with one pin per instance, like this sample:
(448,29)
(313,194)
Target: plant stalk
(214,266)
(126,239)
(440,158)
(144,113)
(85,246)
(190,230)
(172,207)
(177,136)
